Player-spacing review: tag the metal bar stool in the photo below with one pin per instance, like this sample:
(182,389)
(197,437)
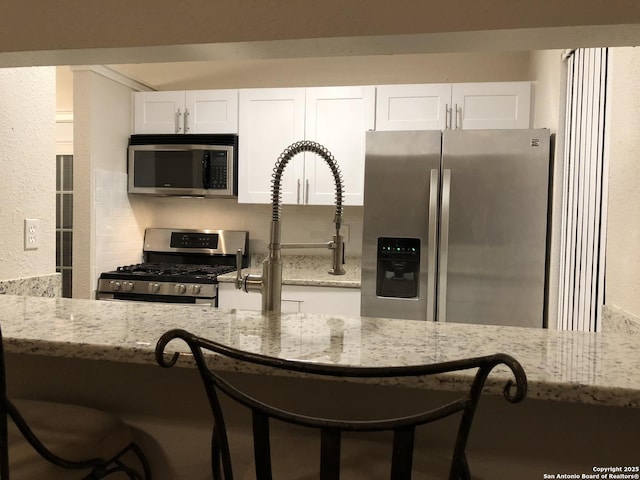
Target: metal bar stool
(56,441)
(403,428)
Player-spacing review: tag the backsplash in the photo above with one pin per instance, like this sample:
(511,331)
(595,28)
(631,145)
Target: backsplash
(119,231)
(300,224)
(40,286)
(122,218)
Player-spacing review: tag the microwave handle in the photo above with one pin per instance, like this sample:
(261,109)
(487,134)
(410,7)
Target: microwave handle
(206,168)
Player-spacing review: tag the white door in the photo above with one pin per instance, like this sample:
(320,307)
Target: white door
(158,112)
(413,107)
(270,120)
(338,118)
(211,111)
(491,105)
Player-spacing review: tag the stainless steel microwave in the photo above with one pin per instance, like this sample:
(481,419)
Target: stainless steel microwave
(183,165)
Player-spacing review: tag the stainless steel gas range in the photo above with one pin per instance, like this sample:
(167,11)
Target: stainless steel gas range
(180,266)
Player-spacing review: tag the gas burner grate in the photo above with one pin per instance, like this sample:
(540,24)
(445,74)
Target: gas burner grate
(176,269)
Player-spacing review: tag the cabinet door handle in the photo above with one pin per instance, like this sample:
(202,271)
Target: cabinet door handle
(186,120)
(306,193)
(458,111)
(447,117)
(178,121)
(298,195)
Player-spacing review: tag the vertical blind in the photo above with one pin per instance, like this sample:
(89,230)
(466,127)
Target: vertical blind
(584,192)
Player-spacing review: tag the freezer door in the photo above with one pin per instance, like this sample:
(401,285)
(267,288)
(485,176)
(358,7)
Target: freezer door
(493,241)
(402,172)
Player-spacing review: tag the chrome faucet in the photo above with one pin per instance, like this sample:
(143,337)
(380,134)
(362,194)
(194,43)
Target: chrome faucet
(270,282)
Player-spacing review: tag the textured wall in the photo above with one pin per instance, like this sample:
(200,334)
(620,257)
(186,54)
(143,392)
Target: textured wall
(623,227)
(27,166)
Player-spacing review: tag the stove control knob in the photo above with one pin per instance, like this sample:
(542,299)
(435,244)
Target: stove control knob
(128,286)
(180,289)
(154,287)
(195,289)
(115,286)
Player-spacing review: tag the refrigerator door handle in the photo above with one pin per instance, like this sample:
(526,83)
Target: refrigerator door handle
(434,185)
(444,246)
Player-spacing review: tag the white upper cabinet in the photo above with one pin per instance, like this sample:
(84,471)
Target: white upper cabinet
(491,105)
(272,119)
(158,112)
(192,111)
(413,107)
(337,118)
(453,106)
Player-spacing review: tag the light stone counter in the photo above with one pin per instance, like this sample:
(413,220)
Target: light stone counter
(600,369)
(307,270)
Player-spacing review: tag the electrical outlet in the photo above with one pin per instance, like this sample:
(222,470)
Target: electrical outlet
(31,233)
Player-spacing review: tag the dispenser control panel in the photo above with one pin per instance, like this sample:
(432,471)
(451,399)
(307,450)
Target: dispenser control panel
(407,249)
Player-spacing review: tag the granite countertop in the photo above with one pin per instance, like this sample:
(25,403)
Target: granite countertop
(306,270)
(591,368)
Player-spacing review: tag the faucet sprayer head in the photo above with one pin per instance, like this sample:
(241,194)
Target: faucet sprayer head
(283,160)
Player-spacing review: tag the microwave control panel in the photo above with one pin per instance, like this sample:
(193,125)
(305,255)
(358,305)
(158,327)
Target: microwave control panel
(219,170)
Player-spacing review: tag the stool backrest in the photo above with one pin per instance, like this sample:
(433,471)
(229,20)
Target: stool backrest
(403,427)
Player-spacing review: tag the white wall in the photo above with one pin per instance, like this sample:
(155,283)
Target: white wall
(27,163)
(623,228)
(327,71)
(546,70)
(107,231)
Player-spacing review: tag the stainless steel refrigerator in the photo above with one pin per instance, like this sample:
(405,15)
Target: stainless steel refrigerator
(455,226)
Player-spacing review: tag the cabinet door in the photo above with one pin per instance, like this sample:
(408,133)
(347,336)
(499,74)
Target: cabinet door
(413,107)
(328,300)
(337,118)
(158,112)
(270,120)
(211,111)
(230,297)
(491,105)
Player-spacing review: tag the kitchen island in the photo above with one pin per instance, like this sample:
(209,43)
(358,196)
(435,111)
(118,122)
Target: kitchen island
(98,344)
(561,366)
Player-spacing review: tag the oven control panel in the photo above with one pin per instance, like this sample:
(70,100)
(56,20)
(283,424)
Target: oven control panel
(194,240)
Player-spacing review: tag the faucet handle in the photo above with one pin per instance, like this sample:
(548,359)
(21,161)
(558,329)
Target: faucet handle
(338,256)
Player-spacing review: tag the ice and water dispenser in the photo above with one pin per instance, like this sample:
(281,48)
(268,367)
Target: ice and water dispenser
(398,267)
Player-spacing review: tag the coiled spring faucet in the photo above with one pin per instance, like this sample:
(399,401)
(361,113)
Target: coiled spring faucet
(270,282)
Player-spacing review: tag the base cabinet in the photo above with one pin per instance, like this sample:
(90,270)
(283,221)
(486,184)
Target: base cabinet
(302,299)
